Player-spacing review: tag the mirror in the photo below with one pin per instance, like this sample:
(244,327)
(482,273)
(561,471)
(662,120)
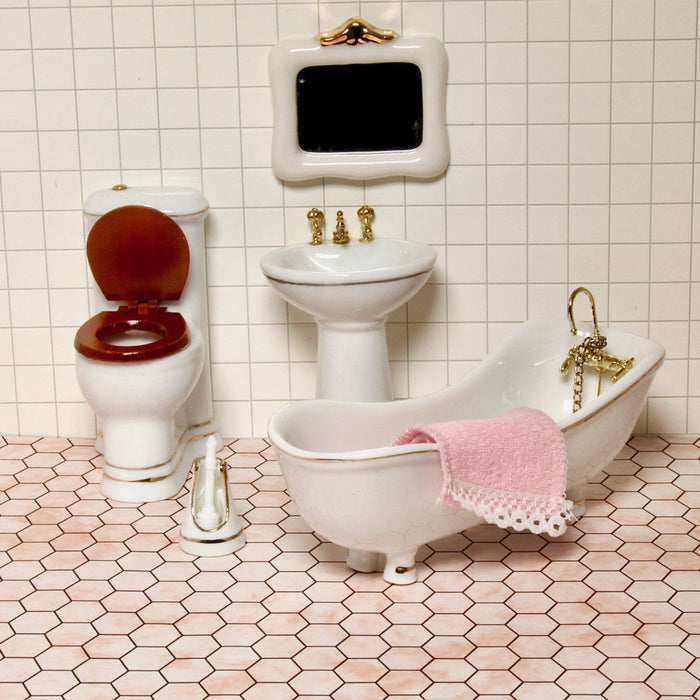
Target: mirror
(360,111)
(396,125)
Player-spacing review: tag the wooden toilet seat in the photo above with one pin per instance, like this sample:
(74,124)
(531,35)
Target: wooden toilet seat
(90,340)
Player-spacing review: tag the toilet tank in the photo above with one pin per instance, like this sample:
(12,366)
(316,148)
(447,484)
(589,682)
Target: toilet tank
(188,208)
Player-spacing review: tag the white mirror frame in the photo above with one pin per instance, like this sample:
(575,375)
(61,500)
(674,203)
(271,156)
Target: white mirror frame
(428,160)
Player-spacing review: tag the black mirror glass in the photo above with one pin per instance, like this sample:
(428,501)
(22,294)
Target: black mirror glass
(359,107)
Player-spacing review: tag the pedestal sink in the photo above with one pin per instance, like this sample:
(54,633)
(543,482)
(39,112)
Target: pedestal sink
(350,290)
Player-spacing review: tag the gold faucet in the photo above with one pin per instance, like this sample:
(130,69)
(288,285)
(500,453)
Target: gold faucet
(340,235)
(366,215)
(590,353)
(315,216)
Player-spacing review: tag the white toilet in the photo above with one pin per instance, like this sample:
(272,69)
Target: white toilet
(142,367)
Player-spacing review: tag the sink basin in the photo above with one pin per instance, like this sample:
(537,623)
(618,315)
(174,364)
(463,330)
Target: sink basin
(330,263)
(357,281)
(350,290)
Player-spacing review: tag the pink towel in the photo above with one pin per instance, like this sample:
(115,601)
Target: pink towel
(510,470)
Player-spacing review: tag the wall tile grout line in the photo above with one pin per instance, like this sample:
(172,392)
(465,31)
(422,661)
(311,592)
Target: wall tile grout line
(572,135)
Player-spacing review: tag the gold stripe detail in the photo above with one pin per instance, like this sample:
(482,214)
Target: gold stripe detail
(345,283)
(216,541)
(155,479)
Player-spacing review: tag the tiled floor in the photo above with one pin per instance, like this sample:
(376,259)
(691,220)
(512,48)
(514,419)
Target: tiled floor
(98,601)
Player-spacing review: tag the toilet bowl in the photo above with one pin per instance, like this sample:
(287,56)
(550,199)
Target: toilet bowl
(136,402)
(140,360)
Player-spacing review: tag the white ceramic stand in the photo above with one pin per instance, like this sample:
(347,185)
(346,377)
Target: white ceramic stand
(353,361)
(211,527)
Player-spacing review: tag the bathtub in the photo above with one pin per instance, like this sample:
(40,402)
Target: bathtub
(356,490)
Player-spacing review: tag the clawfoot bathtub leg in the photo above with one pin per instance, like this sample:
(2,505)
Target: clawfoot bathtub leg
(575,494)
(359,560)
(400,568)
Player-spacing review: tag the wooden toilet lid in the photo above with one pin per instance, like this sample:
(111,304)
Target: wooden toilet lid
(137,253)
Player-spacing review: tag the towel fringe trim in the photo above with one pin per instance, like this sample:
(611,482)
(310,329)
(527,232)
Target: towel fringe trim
(547,514)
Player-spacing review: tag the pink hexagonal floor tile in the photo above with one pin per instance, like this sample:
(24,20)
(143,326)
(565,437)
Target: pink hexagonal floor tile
(98,593)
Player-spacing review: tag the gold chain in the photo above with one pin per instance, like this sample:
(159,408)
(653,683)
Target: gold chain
(583,352)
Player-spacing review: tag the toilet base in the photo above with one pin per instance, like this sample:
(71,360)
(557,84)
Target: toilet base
(161,481)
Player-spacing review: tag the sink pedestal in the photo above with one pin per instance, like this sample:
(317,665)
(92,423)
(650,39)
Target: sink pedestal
(353,362)
(350,290)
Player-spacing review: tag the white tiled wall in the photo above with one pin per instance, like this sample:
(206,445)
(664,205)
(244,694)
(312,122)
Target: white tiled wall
(573,139)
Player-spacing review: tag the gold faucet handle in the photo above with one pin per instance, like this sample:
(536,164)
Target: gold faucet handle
(315,216)
(366,214)
(340,235)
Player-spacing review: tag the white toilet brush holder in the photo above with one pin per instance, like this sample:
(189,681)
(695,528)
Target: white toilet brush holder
(211,527)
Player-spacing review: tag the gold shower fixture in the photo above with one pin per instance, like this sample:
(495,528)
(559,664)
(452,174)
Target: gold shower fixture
(589,353)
